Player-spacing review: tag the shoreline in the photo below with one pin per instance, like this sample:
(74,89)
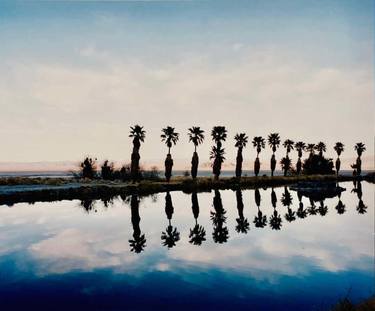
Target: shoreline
(29,190)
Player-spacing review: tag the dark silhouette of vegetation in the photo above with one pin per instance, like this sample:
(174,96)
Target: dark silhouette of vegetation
(312,208)
(320,147)
(258,143)
(107,170)
(360,148)
(138,243)
(340,207)
(275,219)
(138,134)
(286,165)
(323,209)
(260,220)
(220,233)
(339,148)
(300,147)
(288,145)
(301,212)
(196,136)
(287,200)
(170,236)
(311,149)
(88,168)
(242,222)
(361,207)
(274,143)
(241,141)
(198,233)
(218,134)
(88,205)
(170,137)
(317,164)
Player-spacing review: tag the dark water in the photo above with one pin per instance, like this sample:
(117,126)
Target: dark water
(213,251)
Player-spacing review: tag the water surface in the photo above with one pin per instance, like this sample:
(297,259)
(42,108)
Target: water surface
(213,250)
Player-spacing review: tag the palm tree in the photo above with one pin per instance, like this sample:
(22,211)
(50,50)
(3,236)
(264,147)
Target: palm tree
(339,148)
(196,136)
(287,200)
(218,134)
(275,219)
(241,141)
(321,147)
(274,143)
(258,143)
(289,145)
(242,222)
(198,233)
(310,148)
(220,233)
(138,135)
(170,137)
(171,236)
(138,243)
(300,147)
(360,148)
(286,165)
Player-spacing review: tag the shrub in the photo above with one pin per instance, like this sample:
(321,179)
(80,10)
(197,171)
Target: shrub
(88,168)
(317,164)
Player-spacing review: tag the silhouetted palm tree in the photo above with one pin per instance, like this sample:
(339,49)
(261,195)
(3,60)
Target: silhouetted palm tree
(219,134)
(286,165)
(300,147)
(138,243)
(241,141)
(170,137)
(258,143)
(220,233)
(312,208)
(289,145)
(360,148)
(171,236)
(310,148)
(242,222)
(198,233)
(138,134)
(275,219)
(301,212)
(321,147)
(196,136)
(274,143)
(339,148)
(340,207)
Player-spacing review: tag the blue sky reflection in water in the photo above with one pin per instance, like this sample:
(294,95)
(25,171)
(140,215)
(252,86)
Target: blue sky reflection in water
(57,254)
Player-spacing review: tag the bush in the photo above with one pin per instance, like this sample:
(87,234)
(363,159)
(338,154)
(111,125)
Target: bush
(107,170)
(88,168)
(317,164)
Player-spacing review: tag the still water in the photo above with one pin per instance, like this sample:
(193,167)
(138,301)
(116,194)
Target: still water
(212,251)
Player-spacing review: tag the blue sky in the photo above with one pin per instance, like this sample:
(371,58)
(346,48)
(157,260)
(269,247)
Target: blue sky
(75,75)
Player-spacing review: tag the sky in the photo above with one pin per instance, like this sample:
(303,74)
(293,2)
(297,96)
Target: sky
(75,75)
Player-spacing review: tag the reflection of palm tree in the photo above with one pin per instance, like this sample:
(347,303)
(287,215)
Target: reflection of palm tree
(361,207)
(287,200)
(300,147)
(260,220)
(196,136)
(171,235)
(218,134)
(220,233)
(241,141)
(138,135)
(273,142)
(323,209)
(301,212)
(275,219)
(138,243)
(242,222)
(340,207)
(198,233)
(258,143)
(339,148)
(312,208)
(360,148)
(170,137)
(88,205)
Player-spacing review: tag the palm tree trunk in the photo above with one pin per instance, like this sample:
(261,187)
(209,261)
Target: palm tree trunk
(239,161)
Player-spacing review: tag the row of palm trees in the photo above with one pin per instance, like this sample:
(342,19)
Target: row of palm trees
(219,134)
